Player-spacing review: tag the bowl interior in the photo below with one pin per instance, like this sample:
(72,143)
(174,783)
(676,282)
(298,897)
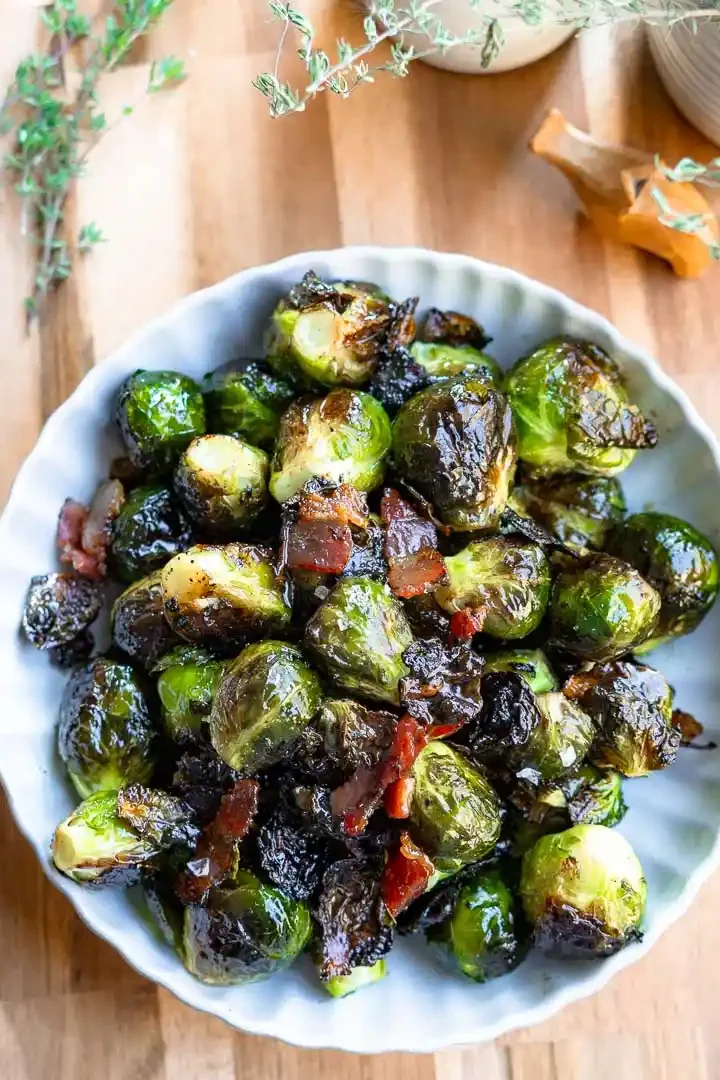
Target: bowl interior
(674,817)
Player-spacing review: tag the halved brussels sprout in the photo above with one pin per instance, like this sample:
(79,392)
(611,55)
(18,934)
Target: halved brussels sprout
(584,890)
(454,813)
(601,608)
(105,735)
(223,593)
(265,700)
(247,402)
(530,664)
(188,677)
(342,438)
(149,529)
(571,411)
(442,361)
(358,637)
(222,482)
(328,334)
(678,561)
(159,413)
(505,578)
(246,933)
(93,846)
(454,443)
(579,510)
(481,931)
(138,624)
(339,986)
(561,740)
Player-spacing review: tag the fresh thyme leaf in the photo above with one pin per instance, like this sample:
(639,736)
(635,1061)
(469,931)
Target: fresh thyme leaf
(166,73)
(88,237)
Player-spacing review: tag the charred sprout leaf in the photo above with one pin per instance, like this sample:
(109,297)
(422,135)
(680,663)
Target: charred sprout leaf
(148,531)
(402,325)
(187,680)
(159,413)
(201,779)
(507,716)
(58,608)
(329,335)
(339,986)
(290,857)
(532,665)
(265,700)
(441,361)
(223,593)
(246,933)
(572,412)
(342,438)
(454,443)
(93,846)
(443,686)
(455,814)
(583,890)
(678,561)
(631,706)
(247,402)
(352,736)
(358,637)
(156,816)
(353,924)
(578,510)
(77,651)
(560,741)
(452,328)
(396,378)
(105,736)
(601,608)
(507,580)
(594,797)
(222,482)
(138,624)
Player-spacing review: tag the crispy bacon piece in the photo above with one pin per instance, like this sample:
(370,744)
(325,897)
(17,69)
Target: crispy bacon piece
(405,876)
(398,797)
(410,547)
(216,849)
(342,506)
(580,684)
(84,535)
(466,623)
(319,546)
(356,799)
(689,727)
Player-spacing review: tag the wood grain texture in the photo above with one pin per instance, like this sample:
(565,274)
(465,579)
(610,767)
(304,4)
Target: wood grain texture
(198,184)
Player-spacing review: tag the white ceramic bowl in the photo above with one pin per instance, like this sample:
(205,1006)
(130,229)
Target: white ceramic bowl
(674,816)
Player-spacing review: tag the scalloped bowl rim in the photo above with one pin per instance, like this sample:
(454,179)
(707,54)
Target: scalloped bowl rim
(423,1042)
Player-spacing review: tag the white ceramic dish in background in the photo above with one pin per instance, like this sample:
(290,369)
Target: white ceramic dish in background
(687,56)
(674,817)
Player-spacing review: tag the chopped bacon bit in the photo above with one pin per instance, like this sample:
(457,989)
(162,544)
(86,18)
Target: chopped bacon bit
(410,547)
(688,726)
(579,684)
(356,799)
(441,731)
(405,876)
(319,546)
(415,575)
(342,506)
(398,797)
(466,623)
(84,535)
(216,849)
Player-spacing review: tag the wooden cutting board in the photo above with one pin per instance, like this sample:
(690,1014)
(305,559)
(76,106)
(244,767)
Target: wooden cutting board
(199,183)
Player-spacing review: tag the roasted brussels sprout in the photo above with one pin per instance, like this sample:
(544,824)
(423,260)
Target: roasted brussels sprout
(222,482)
(138,624)
(246,933)
(328,334)
(188,677)
(678,561)
(454,443)
(571,411)
(339,986)
(358,637)
(93,846)
(343,438)
(579,510)
(262,705)
(346,736)
(506,579)
(530,664)
(247,402)
(396,378)
(454,813)
(560,741)
(631,706)
(158,816)
(223,593)
(353,924)
(105,735)
(159,413)
(481,931)
(441,361)
(149,529)
(58,608)
(583,890)
(453,328)
(594,797)
(601,608)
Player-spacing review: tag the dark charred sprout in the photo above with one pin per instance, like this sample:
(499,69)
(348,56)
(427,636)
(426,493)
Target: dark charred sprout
(105,736)
(506,718)
(247,402)
(224,594)
(149,529)
(222,482)
(58,609)
(291,857)
(349,736)
(201,778)
(159,413)
(454,443)
(578,510)
(583,890)
(93,846)
(600,608)
(163,819)
(444,684)
(453,328)
(572,412)
(396,378)
(138,624)
(358,637)
(188,677)
(341,438)
(678,561)
(354,927)
(532,665)
(594,797)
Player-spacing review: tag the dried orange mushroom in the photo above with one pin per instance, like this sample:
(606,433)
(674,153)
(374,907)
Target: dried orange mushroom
(616,184)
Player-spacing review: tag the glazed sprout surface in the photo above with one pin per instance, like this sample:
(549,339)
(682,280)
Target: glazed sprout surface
(361,679)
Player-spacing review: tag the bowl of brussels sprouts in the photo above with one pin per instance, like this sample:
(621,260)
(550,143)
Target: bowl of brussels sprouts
(376,590)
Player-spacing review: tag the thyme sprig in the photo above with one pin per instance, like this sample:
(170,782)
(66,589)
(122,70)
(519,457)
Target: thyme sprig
(692,172)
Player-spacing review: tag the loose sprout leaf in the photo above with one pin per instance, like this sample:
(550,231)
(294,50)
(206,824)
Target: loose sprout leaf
(353,922)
